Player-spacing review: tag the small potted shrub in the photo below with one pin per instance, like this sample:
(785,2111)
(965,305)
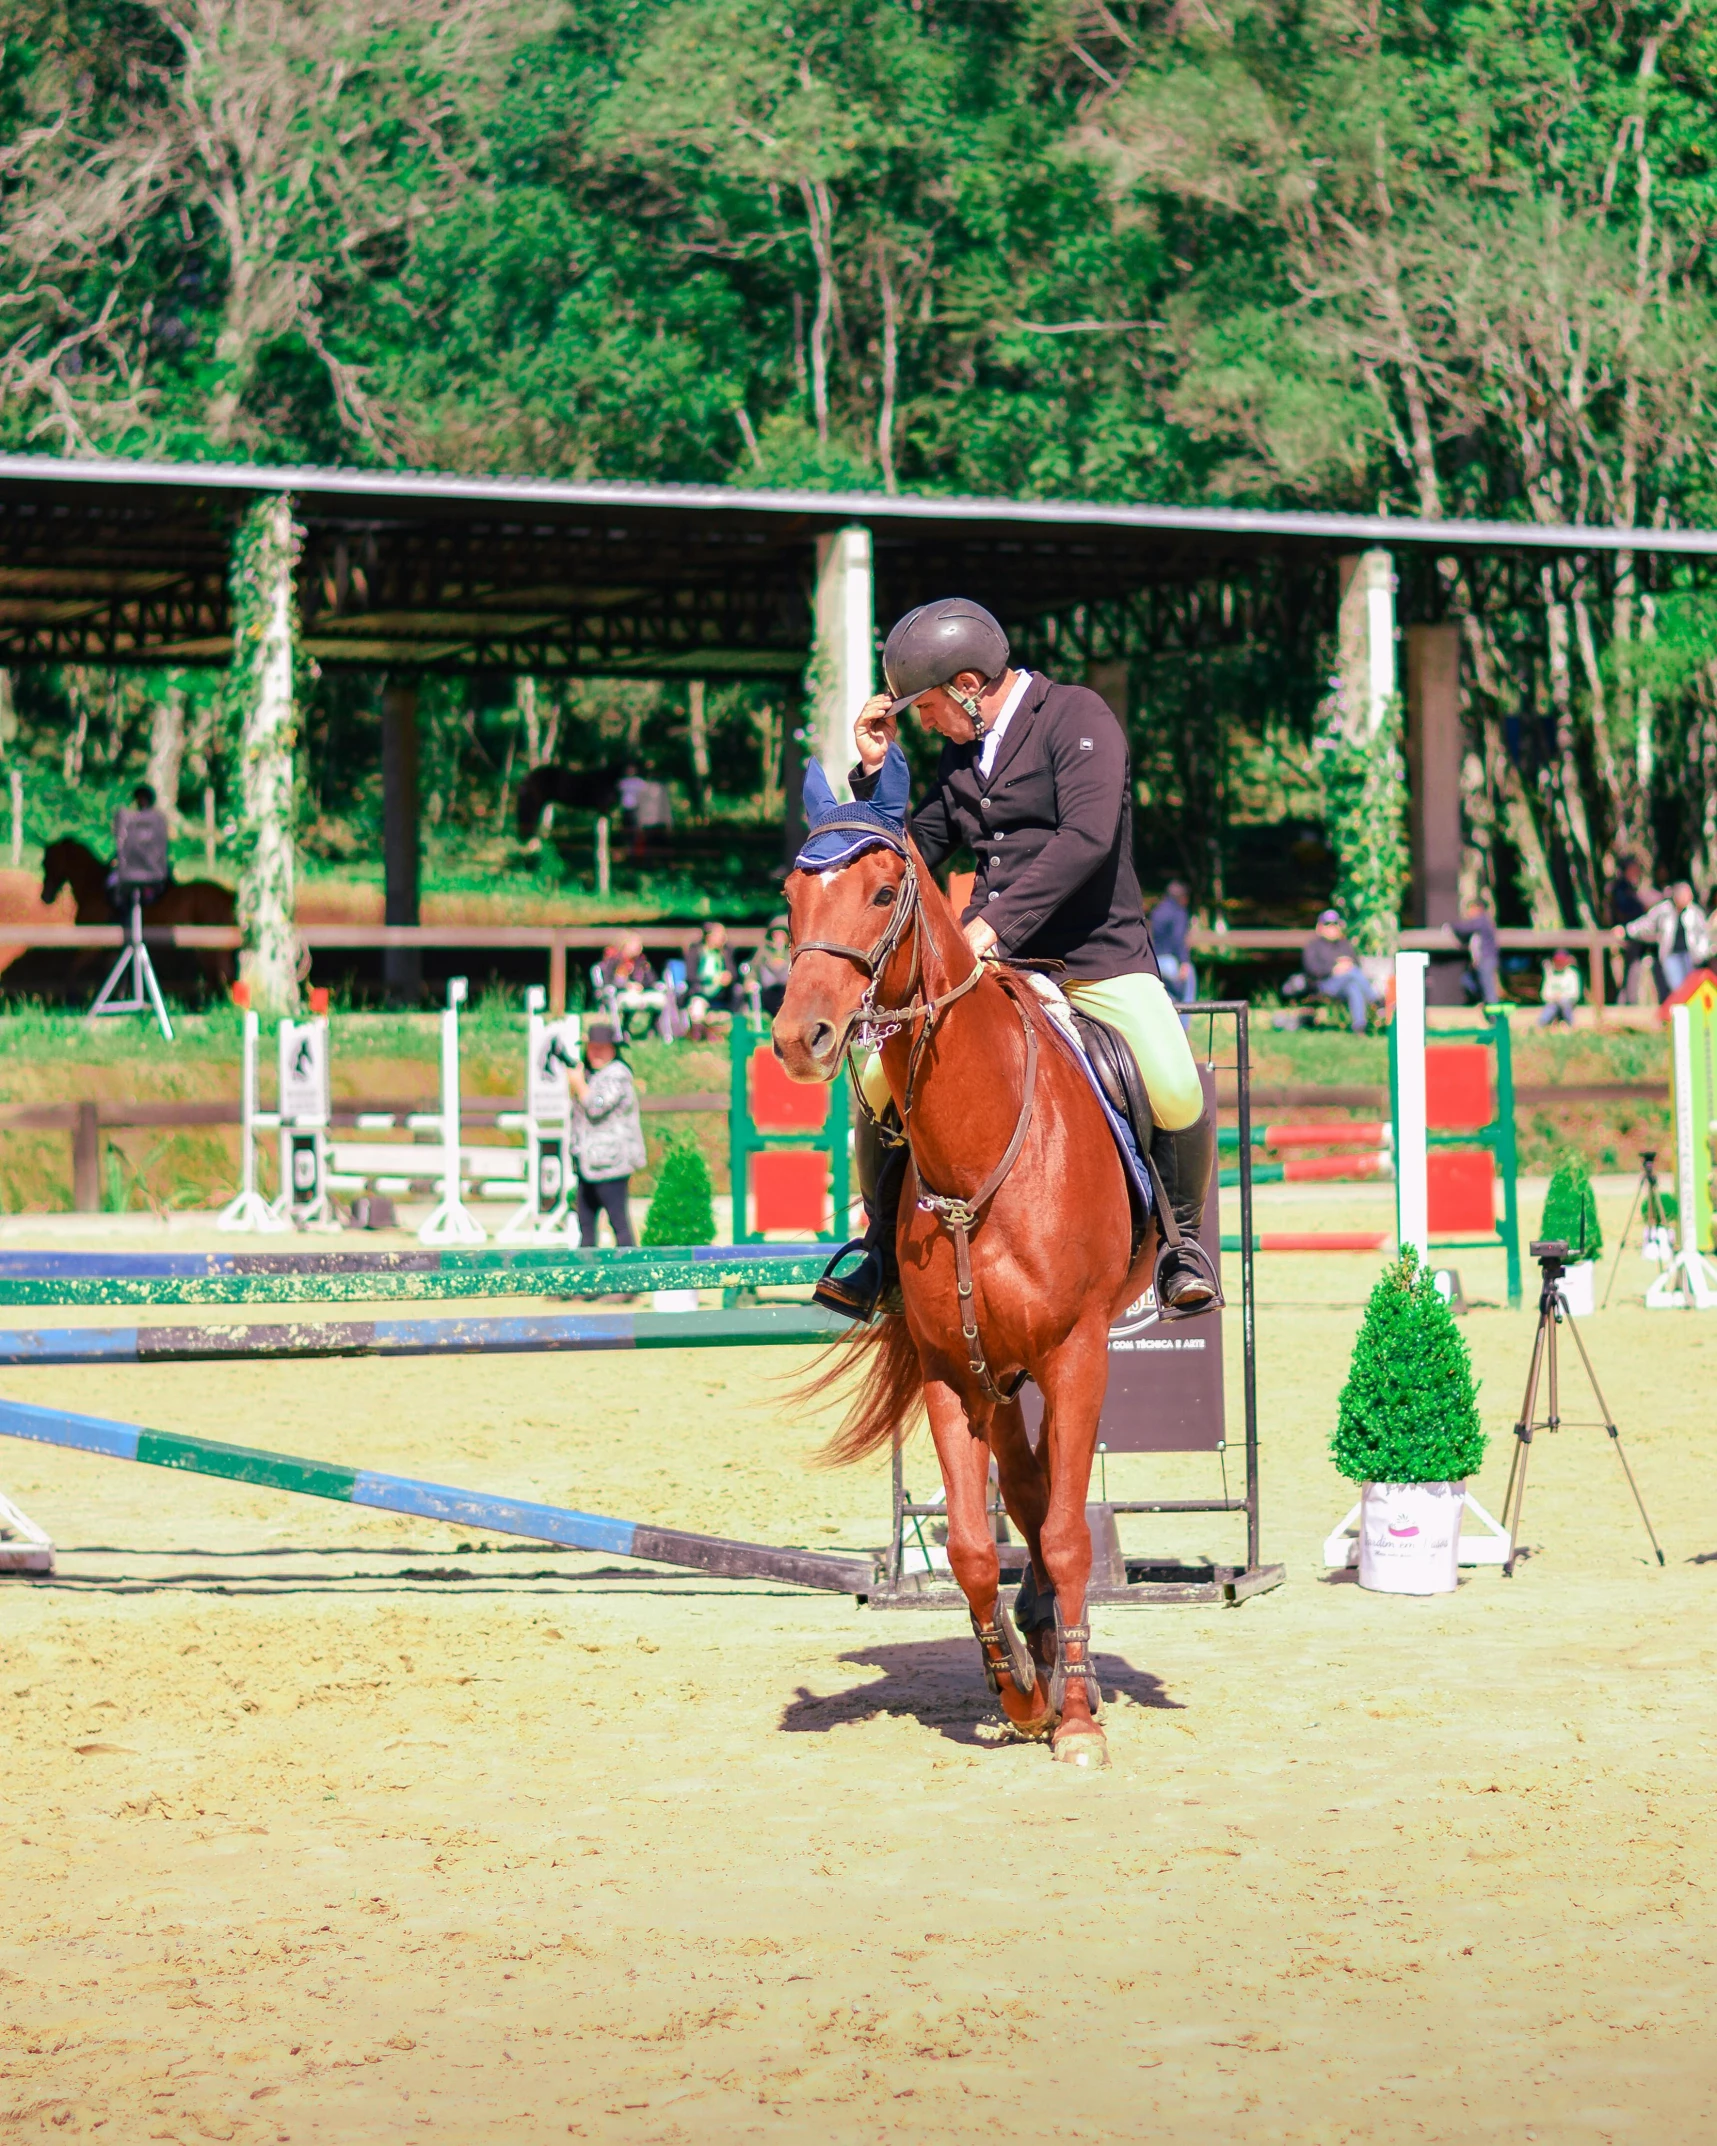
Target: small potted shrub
(1407,1431)
(1571,1213)
(682,1212)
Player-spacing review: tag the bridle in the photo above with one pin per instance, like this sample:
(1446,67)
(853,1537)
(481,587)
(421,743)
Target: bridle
(871,1022)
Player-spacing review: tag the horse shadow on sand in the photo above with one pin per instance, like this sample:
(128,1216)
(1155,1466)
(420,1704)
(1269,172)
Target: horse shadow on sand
(940,1683)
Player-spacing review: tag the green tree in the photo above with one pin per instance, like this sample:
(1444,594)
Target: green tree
(1571,1211)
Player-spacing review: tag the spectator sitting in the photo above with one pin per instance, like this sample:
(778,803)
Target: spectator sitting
(709,976)
(141,839)
(1560,989)
(1333,969)
(1477,931)
(607,1134)
(1171,921)
(767,971)
(626,967)
(1682,934)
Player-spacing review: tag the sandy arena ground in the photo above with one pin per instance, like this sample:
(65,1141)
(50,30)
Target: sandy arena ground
(320,1827)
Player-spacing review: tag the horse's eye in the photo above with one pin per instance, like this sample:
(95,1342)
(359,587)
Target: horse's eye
(883,898)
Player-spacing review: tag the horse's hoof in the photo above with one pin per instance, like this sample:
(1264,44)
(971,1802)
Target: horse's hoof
(1085,1746)
(1038,1730)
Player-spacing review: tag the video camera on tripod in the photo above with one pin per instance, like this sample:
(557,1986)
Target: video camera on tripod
(141,869)
(1551,1254)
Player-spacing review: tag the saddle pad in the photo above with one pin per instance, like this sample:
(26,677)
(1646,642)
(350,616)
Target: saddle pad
(1055,1004)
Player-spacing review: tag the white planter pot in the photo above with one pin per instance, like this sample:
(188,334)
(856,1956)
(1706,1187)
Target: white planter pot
(1410,1537)
(1576,1289)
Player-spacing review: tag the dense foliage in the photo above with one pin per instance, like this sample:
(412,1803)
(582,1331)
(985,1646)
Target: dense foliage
(1571,1211)
(1442,259)
(1409,1411)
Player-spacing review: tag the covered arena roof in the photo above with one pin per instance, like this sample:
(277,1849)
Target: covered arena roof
(126,562)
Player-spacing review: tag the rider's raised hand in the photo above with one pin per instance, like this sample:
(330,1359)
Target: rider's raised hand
(874,732)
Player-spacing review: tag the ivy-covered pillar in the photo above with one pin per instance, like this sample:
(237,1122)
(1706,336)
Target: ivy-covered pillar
(1359,743)
(262,721)
(843,660)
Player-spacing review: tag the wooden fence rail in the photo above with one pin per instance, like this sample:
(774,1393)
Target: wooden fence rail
(556,941)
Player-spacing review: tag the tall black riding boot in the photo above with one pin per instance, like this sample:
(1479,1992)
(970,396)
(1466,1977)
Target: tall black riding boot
(867,1287)
(1181,1165)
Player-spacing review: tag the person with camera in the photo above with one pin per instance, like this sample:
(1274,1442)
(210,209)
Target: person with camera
(607,1134)
(142,863)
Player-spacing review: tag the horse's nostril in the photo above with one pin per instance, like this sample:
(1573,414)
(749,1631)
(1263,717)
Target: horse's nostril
(820,1038)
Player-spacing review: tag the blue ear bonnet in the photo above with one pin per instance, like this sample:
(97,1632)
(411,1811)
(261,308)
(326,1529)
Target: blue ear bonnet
(878,823)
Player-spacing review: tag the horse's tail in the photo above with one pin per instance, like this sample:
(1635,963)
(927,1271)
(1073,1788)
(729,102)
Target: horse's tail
(890,1391)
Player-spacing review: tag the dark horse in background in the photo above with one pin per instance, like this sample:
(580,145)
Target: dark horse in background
(69,863)
(580,789)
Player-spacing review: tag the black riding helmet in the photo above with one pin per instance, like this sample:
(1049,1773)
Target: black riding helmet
(937,642)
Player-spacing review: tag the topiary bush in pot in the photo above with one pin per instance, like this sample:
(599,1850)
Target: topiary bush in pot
(1407,1431)
(1571,1213)
(682,1210)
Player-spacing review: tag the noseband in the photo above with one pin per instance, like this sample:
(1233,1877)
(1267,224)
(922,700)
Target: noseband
(871,1022)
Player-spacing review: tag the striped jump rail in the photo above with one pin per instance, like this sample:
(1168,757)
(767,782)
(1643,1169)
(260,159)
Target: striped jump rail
(458,1260)
(1317,1170)
(1338,1133)
(760,1326)
(1296,1240)
(112,1282)
(437,1501)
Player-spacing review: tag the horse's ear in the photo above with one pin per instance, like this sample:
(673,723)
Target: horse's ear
(820,800)
(893,790)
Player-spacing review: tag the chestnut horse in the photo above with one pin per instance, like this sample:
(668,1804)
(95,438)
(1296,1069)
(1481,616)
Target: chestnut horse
(1017,1270)
(68,863)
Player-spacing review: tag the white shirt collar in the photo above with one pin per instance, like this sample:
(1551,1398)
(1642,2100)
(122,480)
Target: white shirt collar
(993,736)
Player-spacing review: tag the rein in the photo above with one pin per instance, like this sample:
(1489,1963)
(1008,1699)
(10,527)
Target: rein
(872,1022)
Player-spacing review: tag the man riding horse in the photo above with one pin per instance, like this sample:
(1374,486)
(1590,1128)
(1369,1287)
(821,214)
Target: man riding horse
(1033,778)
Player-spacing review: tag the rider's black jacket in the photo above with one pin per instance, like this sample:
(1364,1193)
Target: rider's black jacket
(1052,830)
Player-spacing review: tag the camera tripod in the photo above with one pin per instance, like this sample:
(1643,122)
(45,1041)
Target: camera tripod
(1659,1243)
(134,961)
(1552,1258)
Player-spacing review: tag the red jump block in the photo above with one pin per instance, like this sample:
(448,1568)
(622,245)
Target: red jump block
(790,1190)
(1460,1187)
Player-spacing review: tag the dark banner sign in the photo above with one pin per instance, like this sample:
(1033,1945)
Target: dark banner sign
(1165,1379)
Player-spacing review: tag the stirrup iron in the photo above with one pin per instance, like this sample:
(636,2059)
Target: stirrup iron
(857,1295)
(1189,1256)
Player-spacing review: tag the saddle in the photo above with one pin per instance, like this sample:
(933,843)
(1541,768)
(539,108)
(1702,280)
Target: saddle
(1116,1071)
